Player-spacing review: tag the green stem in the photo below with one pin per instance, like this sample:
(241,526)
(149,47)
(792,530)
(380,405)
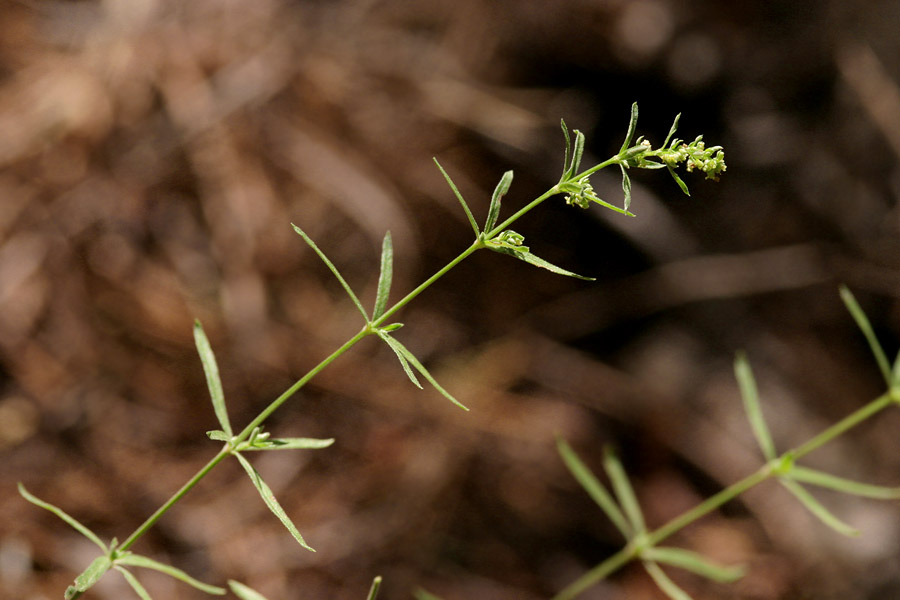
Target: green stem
(598,573)
(845,424)
(151,521)
(521,212)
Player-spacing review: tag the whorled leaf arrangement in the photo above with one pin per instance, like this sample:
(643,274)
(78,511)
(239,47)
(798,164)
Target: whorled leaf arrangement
(575,187)
(643,545)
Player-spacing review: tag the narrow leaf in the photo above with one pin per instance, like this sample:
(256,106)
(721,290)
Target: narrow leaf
(750,396)
(678,180)
(662,580)
(244,592)
(291,444)
(397,347)
(862,321)
(418,366)
(373,591)
(134,583)
(537,261)
(494,209)
(269,498)
(65,517)
(421,594)
(567,172)
(218,435)
(577,153)
(895,373)
(693,562)
(459,197)
(144,562)
(626,186)
(86,580)
(672,131)
(817,508)
(623,490)
(384,276)
(593,487)
(334,271)
(213,381)
(839,484)
(632,126)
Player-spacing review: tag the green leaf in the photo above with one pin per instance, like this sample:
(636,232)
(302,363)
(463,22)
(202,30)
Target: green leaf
(421,594)
(133,582)
(494,209)
(672,131)
(373,591)
(577,153)
(334,271)
(410,359)
(895,373)
(213,381)
(567,172)
(384,276)
(626,186)
(218,435)
(65,517)
(816,508)
(623,490)
(693,562)
(750,396)
(662,580)
(269,498)
(290,444)
(862,321)
(244,592)
(523,253)
(678,180)
(839,484)
(397,347)
(86,580)
(593,487)
(632,126)
(459,197)
(144,562)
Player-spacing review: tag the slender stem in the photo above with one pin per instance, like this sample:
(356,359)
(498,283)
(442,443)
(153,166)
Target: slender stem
(609,161)
(151,521)
(598,573)
(521,212)
(844,425)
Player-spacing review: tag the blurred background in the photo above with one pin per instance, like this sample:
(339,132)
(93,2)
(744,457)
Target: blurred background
(153,154)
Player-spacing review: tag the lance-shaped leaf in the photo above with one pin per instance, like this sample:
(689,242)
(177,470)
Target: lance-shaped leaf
(669,587)
(840,484)
(244,592)
(269,498)
(385,276)
(218,435)
(672,131)
(750,396)
(509,242)
(213,381)
(65,517)
(679,181)
(623,490)
(632,126)
(373,591)
(494,209)
(334,271)
(290,444)
(862,321)
(88,577)
(593,487)
(693,562)
(626,186)
(133,582)
(817,508)
(421,594)
(573,154)
(459,197)
(144,562)
(410,362)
